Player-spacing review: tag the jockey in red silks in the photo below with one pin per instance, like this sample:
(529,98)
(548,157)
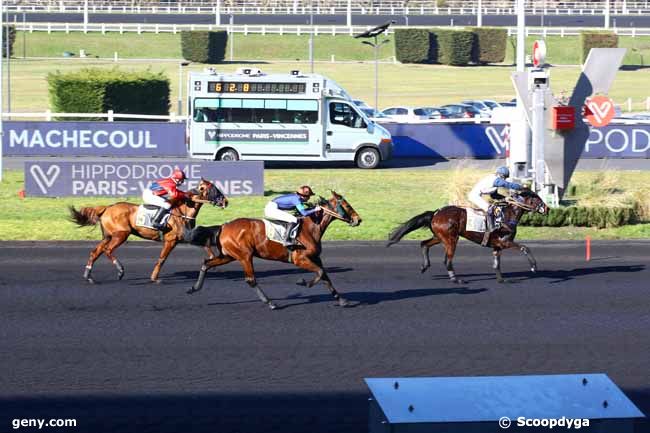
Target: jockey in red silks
(161,191)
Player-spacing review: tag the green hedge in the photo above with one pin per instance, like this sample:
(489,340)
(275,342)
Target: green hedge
(95,90)
(600,39)
(579,216)
(454,46)
(412,45)
(11,31)
(204,46)
(489,44)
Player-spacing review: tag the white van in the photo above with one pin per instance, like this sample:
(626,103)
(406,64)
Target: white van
(282,117)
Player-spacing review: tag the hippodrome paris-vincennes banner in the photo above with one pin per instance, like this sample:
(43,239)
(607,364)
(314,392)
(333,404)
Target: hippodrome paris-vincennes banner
(121,179)
(94,139)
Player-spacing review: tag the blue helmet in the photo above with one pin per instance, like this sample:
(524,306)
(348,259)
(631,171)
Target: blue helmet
(503,172)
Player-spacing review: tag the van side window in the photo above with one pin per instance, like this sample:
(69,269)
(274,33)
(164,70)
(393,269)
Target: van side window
(344,114)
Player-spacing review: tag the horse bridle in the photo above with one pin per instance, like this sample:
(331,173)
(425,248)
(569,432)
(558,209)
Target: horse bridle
(340,212)
(524,206)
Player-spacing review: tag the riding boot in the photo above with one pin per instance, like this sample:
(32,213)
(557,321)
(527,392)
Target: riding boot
(287,241)
(157,219)
(490,227)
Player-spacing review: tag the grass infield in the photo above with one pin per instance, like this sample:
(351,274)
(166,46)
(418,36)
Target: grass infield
(383,198)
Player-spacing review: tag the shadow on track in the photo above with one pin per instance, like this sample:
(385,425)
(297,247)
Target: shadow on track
(558,276)
(373,298)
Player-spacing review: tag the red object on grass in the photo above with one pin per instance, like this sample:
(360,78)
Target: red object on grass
(587,248)
(564,117)
(21,193)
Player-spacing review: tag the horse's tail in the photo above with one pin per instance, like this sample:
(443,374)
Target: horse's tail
(417,222)
(202,235)
(86,216)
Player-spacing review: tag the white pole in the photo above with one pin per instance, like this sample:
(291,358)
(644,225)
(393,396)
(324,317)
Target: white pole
(86,16)
(180,89)
(349,14)
(521,36)
(231,36)
(479,16)
(217,18)
(311,35)
(606,14)
(1,105)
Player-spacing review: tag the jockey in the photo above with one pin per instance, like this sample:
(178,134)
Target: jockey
(161,191)
(279,208)
(488,186)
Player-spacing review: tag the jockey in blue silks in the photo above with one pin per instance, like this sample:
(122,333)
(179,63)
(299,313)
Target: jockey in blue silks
(280,207)
(486,189)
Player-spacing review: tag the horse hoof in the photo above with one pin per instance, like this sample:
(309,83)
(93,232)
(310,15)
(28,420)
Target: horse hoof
(423,269)
(120,275)
(502,281)
(533,269)
(344,302)
(272,306)
(157,281)
(192,290)
(91,280)
(458,281)
(301,282)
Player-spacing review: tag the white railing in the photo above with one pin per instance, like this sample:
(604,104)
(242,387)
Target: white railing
(278,29)
(110,116)
(336,7)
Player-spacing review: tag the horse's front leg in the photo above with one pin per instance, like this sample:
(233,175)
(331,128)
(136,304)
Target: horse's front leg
(529,255)
(496,265)
(314,264)
(167,248)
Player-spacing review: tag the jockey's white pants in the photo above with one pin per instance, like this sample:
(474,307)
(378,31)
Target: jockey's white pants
(272,212)
(150,198)
(477,199)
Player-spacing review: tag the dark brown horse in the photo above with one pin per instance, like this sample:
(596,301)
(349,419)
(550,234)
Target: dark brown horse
(245,238)
(448,223)
(118,222)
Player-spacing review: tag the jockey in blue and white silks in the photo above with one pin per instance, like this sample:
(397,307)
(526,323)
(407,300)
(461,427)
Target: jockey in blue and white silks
(488,187)
(280,207)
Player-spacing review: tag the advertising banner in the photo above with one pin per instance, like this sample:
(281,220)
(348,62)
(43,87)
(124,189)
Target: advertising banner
(122,179)
(131,139)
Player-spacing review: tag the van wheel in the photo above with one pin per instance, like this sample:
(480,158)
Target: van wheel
(228,155)
(367,157)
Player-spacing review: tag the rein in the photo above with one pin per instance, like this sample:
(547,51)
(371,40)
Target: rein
(331,213)
(523,206)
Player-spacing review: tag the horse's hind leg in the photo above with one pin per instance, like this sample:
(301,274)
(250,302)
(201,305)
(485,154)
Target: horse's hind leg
(249,272)
(207,264)
(425,246)
(94,255)
(450,249)
(116,240)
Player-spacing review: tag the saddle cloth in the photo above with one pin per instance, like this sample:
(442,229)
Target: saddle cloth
(144,216)
(476,220)
(277,230)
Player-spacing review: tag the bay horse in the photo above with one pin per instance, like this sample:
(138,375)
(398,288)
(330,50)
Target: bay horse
(245,238)
(118,222)
(449,223)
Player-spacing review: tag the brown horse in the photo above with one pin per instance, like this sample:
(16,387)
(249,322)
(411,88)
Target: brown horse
(245,238)
(448,224)
(117,222)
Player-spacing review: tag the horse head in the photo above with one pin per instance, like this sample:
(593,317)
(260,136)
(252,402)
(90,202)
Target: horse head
(206,190)
(531,201)
(339,205)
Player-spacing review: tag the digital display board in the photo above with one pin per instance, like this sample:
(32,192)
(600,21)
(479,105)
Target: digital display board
(255,87)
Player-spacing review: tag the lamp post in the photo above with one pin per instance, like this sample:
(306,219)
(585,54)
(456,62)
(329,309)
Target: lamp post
(180,86)
(311,35)
(374,33)
(1,104)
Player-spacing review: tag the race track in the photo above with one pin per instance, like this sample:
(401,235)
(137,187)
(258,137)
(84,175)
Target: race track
(131,356)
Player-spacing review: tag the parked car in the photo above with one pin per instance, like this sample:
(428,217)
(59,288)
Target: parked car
(405,114)
(508,104)
(491,104)
(461,111)
(375,115)
(485,110)
(359,103)
(432,112)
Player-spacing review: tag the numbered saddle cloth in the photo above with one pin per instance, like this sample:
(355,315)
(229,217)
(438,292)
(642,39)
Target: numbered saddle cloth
(144,216)
(476,220)
(277,230)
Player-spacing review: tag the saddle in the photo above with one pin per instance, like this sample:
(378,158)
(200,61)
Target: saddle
(145,215)
(276,231)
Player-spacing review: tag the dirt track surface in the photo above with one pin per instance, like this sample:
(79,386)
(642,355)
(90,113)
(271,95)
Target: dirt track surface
(131,356)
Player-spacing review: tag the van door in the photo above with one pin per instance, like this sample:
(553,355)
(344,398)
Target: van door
(345,130)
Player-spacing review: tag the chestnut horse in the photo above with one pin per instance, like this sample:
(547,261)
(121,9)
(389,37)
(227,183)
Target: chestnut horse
(245,238)
(117,222)
(448,223)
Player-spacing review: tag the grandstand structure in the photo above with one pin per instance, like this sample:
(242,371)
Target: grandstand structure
(411,7)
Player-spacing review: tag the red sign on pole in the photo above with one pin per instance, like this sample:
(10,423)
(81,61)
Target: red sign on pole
(539,53)
(599,110)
